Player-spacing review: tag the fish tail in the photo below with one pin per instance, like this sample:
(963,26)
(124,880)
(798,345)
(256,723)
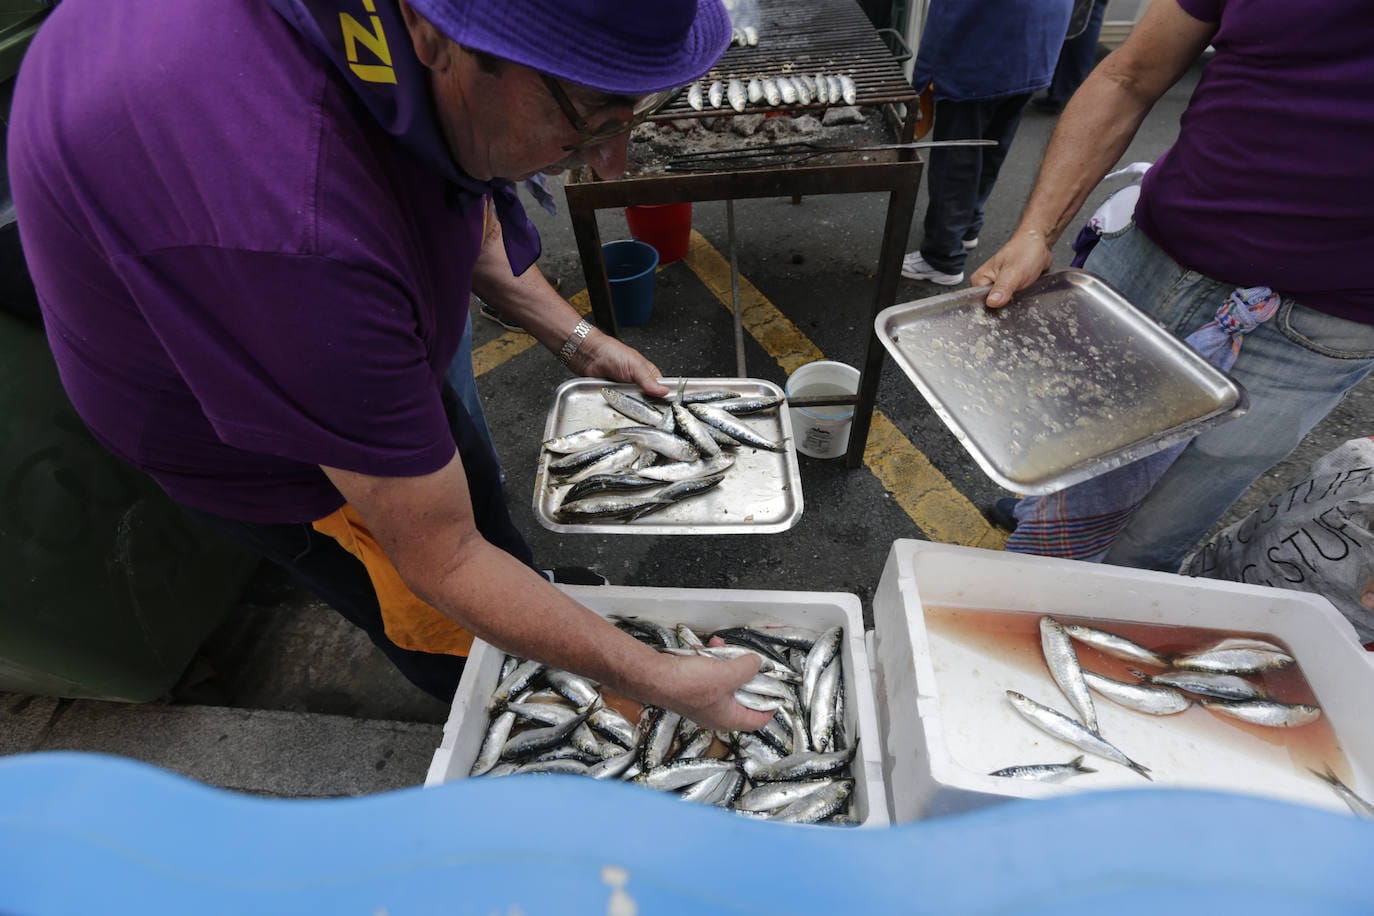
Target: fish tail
(1141,769)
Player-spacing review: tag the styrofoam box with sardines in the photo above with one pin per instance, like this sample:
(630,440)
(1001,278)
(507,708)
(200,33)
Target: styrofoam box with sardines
(705,611)
(956,628)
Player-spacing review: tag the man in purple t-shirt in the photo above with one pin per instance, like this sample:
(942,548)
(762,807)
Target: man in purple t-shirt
(1270,184)
(254,227)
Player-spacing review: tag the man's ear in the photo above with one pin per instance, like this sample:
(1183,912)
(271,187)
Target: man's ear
(432,48)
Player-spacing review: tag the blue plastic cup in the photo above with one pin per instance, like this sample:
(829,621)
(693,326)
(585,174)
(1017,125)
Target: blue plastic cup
(630,266)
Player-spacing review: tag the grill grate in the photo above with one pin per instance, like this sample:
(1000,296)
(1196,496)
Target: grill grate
(832,37)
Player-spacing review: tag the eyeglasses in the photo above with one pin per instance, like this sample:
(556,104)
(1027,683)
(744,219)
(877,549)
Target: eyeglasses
(587,136)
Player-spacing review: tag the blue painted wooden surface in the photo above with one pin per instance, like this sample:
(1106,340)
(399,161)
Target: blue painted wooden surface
(89,834)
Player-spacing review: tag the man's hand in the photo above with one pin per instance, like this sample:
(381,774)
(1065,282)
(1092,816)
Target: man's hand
(1014,266)
(703,690)
(603,356)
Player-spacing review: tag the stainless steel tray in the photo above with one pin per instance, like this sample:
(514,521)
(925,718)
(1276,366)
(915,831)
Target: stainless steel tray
(761,493)
(1068,381)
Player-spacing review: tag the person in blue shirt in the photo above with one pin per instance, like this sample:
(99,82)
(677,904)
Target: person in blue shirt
(984,59)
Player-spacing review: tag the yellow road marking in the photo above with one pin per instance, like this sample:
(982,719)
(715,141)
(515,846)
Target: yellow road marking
(928,498)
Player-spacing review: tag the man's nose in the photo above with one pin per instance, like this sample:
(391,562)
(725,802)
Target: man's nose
(608,159)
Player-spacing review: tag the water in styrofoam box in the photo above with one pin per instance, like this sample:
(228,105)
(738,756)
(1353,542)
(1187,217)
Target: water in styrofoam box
(704,610)
(946,723)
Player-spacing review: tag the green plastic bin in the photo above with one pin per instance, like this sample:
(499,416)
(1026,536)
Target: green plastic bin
(108,588)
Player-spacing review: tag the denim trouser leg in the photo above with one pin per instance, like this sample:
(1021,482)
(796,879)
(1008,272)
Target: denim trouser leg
(1078,57)
(1295,368)
(959,179)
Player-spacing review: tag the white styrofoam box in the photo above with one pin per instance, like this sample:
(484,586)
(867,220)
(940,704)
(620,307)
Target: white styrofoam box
(947,724)
(703,610)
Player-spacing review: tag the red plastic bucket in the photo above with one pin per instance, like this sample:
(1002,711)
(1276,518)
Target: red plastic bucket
(668,227)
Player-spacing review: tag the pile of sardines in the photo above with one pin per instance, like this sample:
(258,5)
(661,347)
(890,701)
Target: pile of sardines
(1216,676)
(782,90)
(679,449)
(796,769)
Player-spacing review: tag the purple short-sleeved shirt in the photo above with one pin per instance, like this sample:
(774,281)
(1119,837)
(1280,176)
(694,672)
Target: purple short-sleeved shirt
(1271,180)
(242,276)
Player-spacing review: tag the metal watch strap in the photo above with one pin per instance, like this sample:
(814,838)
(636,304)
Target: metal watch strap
(574,341)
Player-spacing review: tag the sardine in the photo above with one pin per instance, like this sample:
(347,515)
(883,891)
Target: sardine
(686,470)
(804,93)
(751,36)
(848,91)
(818,805)
(516,682)
(707,789)
(821,712)
(1236,657)
(823,651)
(606,721)
(1354,801)
(823,89)
(749,746)
(1265,712)
(1067,673)
(750,639)
(613,767)
(618,459)
(669,445)
(543,713)
(694,97)
(741,406)
(1045,772)
(574,688)
(567,767)
(690,427)
(681,773)
(754,90)
(786,89)
(758,702)
(1115,646)
(599,507)
(1066,729)
(658,737)
(580,440)
(727,790)
(576,461)
(529,743)
(648,631)
(695,746)
(490,753)
(701,396)
(736,94)
(836,89)
(631,407)
(767,664)
(716,94)
(1154,701)
(1207,684)
(771,92)
(805,765)
(774,795)
(682,489)
(709,413)
(608,483)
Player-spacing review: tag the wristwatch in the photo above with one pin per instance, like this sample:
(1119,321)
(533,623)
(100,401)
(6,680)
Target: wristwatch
(574,341)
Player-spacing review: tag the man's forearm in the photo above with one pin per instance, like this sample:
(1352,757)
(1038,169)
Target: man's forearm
(1093,131)
(528,299)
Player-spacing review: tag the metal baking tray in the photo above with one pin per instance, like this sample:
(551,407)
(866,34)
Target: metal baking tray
(761,493)
(1068,381)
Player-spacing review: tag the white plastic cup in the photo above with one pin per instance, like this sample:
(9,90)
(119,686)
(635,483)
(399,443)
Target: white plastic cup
(822,432)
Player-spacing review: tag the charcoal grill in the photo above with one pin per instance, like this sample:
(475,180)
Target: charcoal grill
(831,37)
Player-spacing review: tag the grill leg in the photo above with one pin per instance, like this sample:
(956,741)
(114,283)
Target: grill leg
(588,236)
(901,205)
(734,291)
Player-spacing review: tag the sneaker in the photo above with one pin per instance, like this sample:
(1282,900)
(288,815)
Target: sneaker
(1003,513)
(914,267)
(970,244)
(491,314)
(574,575)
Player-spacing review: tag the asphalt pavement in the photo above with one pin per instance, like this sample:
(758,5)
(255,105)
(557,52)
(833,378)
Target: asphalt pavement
(287,699)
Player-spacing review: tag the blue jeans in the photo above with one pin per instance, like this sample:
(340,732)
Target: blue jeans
(959,179)
(1295,367)
(1077,57)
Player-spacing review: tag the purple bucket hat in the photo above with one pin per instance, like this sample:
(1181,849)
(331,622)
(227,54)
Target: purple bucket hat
(627,47)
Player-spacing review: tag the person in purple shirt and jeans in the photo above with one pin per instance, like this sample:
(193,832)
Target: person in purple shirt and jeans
(1269,184)
(254,227)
